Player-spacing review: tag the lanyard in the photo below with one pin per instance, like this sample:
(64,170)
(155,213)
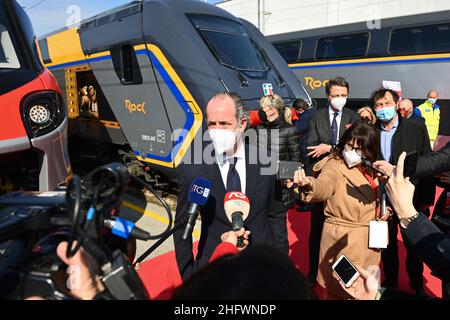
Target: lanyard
(375,189)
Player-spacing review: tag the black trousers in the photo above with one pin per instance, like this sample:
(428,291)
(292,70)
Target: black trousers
(315,233)
(389,256)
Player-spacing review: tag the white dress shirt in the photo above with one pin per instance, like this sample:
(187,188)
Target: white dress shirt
(224,166)
(338,120)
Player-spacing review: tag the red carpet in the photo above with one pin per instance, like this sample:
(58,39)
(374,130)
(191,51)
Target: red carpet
(161,272)
(298,226)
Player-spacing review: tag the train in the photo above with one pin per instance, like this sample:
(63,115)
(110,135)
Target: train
(137,78)
(33,122)
(412,50)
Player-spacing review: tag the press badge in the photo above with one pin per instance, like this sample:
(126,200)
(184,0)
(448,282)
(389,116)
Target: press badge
(378,234)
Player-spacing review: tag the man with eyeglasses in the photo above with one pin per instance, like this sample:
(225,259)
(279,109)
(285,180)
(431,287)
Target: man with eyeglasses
(326,126)
(397,135)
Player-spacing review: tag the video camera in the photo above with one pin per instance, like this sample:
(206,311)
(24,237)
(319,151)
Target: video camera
(85,214)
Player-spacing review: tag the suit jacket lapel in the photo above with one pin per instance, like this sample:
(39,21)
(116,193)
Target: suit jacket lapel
(326,123)
(345,120)
(251,174)
(216,178)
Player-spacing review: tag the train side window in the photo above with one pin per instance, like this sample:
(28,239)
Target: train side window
(8,55)
(126,64)
(343,46)
(420,39)
(289,50)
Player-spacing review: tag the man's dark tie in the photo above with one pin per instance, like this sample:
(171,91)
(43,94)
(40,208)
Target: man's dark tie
(334,129)
(233,180)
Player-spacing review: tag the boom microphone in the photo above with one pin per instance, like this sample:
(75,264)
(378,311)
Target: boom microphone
(198,195)
(237,207)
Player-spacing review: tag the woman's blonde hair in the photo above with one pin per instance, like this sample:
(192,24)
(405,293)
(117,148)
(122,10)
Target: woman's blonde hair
(373,118)
(275,101)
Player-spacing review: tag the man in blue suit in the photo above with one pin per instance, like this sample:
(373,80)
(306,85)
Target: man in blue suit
(304,112)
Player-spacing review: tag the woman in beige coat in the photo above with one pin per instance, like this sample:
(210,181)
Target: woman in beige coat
(351,197)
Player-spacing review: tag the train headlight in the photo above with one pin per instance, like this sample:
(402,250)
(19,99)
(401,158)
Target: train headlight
(39,114)
(42,112)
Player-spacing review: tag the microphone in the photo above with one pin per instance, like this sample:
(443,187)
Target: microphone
(369,164)
(198,195)
(237,207)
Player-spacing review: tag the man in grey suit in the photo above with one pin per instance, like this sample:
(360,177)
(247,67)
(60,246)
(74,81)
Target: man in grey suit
(326,126)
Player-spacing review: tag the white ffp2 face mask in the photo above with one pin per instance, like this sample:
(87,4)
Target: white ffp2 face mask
(432,101)
(338,103)
(224,140)
(351,158)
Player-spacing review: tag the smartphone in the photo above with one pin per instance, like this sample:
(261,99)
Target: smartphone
(345,270)
(409,168)
(286,169)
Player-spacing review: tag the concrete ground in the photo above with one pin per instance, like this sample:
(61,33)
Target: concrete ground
(150,216)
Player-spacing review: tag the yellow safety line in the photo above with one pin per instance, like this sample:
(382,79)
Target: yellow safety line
(129,205)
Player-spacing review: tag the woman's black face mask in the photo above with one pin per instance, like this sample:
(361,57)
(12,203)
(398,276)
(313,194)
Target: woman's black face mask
(262,115)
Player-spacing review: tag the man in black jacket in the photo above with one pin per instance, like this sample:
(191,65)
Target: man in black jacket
(233,169)
(433,163)
(429,165)
(398,134)
(326,126)
(304,112)
(430,243)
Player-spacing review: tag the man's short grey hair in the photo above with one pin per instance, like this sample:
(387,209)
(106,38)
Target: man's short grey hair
(432,90)
(407,101)
(241,110)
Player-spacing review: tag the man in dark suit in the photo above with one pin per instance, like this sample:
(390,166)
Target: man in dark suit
(304,112)
(326,126)
(430,244)
(398,134)
(233,169)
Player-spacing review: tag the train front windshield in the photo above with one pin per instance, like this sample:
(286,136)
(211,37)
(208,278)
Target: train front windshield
(8,55)
(229,42)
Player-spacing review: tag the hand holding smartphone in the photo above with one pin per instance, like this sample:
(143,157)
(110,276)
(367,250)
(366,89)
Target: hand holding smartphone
(409,168)
(369,164)
(410,164)
(345,270)
(286,169)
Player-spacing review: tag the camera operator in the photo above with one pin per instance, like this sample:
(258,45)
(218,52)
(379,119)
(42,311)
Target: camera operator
(86,284)
(84,280)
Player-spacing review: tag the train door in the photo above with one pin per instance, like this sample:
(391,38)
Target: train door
(134,76)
